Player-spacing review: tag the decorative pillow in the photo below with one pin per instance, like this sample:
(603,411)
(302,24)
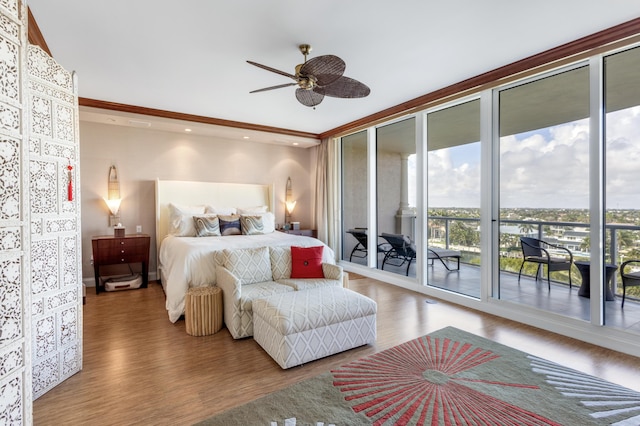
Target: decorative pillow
(251,265)
(252,210)
(207,225)
(251,225)
(220,210)
(229,225)
(268,222)
(181,220)
(306,262)
(280,262)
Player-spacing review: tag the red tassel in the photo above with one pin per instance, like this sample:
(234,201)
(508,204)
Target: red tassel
(70,184)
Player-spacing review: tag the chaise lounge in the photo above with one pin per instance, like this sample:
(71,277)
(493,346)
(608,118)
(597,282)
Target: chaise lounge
(361,248)
(404,251)
(441,254)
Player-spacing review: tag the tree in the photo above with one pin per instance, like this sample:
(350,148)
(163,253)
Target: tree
(461,234)
(526,228)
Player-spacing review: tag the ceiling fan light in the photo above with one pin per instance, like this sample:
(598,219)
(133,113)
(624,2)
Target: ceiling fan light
(309,98)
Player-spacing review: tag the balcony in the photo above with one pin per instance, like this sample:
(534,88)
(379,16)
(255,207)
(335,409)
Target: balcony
(531,292)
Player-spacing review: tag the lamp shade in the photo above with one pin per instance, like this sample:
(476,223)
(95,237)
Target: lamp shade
(114,205)
(290,206)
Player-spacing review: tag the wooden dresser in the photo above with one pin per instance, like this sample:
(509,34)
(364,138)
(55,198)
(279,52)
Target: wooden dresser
(110,250)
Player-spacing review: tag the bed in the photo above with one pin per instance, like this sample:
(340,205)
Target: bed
(185,261)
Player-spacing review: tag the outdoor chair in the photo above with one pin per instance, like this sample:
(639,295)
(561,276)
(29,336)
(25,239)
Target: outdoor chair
(402,251)
(360,250)
(441,254)
(537,251)
(629,279)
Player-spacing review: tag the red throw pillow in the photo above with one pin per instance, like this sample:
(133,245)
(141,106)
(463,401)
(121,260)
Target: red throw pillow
(306,262)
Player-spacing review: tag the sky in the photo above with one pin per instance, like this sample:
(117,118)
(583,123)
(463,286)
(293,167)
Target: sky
(548,168)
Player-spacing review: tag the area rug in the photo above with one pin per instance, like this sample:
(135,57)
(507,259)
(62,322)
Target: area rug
(449,377)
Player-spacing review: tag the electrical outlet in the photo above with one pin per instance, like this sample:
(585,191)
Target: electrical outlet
(138,228)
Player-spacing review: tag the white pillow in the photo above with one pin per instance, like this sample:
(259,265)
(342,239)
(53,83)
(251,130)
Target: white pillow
(181,220)
(252,210)
(224,211)
(268,221)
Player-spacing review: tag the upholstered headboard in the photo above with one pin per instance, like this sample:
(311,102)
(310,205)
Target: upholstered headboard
(216,194)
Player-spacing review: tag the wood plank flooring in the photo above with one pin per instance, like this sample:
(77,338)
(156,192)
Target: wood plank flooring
(141,369)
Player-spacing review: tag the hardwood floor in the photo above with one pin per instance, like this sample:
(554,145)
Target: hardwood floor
(141,369)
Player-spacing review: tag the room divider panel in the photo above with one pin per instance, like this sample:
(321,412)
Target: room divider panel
(40,244)
(56,289)
(15,332)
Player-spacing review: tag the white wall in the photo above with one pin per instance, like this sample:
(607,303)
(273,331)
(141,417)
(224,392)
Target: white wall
(143,155)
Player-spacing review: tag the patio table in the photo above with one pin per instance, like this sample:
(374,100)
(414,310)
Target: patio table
(585,272)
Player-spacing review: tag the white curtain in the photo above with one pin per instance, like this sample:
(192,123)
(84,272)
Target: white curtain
(327,213)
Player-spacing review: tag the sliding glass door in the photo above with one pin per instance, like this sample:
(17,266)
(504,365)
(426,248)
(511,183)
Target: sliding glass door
(453,200)
(355,199)
(396,197)
(622,197)
(544,192)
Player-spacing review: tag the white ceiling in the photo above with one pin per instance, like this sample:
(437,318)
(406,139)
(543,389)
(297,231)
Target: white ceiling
(190,56)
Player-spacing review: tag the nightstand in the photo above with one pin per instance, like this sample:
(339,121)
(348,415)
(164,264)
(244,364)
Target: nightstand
(304,232)
(110,250)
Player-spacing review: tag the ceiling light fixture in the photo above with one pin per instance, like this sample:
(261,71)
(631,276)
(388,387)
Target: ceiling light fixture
(187,130)
(139,123)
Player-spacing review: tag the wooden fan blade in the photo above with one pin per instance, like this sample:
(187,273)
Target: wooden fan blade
(326,69)
(264,67)
(279,86)
(309,98)
(344,87)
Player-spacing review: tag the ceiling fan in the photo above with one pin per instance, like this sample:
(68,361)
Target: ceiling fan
(318,77)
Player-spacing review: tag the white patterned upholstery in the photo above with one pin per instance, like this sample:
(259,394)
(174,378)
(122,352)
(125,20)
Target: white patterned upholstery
(281,270)
(280,262)
(332,272)
(250,265)
(298,327)
(237,300)
(308,283)
(249,274)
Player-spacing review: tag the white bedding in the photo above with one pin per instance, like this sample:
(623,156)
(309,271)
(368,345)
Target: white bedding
(189,262)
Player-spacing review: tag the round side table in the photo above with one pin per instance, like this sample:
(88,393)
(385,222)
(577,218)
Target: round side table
(203,310)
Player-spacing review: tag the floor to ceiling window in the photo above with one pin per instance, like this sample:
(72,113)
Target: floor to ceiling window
(622,173)
(544,191)
(395,187)
(453,200)
(355,199)
(531,152)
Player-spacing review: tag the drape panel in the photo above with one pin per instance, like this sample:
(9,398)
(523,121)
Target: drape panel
(327,215)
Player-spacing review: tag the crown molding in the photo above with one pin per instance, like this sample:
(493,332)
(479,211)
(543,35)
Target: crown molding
(34,34)
(114,106)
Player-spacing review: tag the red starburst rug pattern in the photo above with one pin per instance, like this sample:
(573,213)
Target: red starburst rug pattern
(422,382)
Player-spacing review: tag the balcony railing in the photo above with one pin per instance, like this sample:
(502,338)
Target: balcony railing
(550,231)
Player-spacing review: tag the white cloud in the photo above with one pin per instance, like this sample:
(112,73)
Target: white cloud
(454,177)
(546,169)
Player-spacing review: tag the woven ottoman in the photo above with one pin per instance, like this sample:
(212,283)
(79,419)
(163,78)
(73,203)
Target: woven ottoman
(203,310)
(302,326)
